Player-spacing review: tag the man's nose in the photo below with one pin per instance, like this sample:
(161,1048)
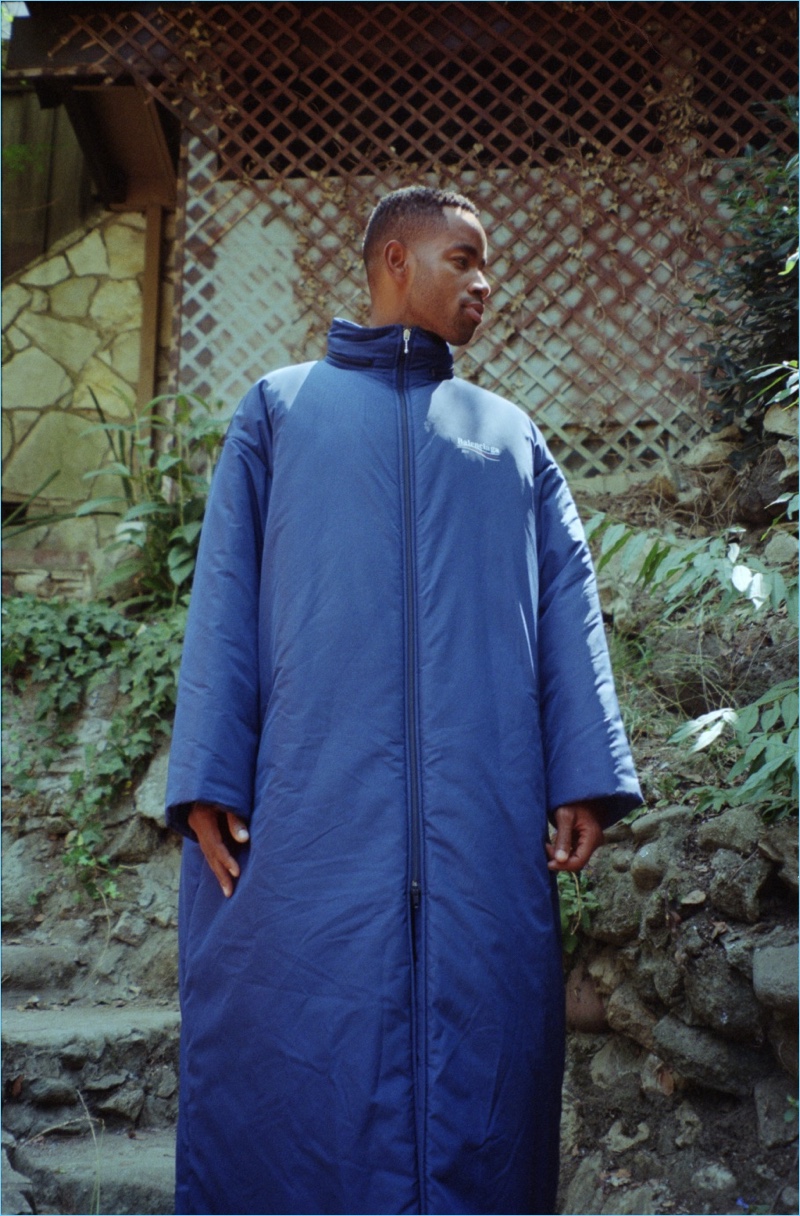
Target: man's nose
(481,286)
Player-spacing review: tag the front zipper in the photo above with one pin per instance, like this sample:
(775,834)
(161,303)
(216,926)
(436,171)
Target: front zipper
(415,864)
(415,891)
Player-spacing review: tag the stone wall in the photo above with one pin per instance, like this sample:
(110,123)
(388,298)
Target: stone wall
(683,1005)
(71,324)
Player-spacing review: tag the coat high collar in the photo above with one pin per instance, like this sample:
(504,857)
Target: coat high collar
(357,346)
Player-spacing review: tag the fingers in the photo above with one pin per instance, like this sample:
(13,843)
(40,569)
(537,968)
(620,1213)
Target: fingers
(562,841)
(237,828)
(578,834)
(205,821)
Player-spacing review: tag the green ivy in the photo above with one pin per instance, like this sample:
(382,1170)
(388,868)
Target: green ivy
(754,746)
(577,901)
(66,651)
(749,301)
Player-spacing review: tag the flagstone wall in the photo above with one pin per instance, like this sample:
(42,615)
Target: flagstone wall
(71,325)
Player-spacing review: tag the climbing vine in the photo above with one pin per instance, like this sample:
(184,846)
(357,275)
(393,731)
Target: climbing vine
(65,652)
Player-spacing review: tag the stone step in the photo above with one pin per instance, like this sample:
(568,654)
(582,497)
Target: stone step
(63,1067)
(115,1173)
(37,968)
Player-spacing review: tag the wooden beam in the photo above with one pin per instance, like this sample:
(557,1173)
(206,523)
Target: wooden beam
(151,298)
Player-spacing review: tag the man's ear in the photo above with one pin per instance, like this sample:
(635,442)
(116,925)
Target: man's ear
(396,260)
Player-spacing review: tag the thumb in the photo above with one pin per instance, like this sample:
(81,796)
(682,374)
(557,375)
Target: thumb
(237,828)
(565,823)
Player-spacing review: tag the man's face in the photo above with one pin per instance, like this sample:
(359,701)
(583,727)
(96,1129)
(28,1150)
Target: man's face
(447,286)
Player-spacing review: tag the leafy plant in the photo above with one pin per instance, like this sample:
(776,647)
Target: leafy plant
(766,737)
(750,297)
(577,901)
(754,746)
(162,496)
(66,651)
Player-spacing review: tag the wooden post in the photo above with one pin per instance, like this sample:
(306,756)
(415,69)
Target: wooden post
(151,298)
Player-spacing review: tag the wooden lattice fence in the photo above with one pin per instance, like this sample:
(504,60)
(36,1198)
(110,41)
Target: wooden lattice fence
(589,134)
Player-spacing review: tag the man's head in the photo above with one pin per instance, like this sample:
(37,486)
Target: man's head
(425,254)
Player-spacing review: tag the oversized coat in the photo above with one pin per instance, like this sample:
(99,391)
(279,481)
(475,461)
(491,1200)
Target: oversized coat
(394,669)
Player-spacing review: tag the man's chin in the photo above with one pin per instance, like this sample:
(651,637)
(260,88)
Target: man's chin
(461,335)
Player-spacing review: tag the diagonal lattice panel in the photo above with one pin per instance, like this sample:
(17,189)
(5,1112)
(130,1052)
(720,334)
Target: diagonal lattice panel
(587,134)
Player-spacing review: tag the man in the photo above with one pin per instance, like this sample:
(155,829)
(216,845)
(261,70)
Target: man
(394,671)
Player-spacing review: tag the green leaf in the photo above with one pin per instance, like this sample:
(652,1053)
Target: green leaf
(115,468)
(95,506)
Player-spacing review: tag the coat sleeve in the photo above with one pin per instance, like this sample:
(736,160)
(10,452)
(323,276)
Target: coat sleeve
(586,751)
(217,720)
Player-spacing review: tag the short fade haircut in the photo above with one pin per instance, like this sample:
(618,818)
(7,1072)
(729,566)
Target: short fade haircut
(403,212)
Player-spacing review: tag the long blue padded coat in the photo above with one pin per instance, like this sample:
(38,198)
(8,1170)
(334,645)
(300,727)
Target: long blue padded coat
(394,668)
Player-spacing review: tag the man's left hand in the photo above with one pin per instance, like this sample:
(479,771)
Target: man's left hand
(578,834)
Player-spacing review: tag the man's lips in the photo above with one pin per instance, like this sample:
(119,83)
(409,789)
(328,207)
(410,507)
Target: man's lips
(475,311)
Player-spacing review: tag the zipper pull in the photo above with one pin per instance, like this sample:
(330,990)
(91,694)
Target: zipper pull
(406,339)
(415,895)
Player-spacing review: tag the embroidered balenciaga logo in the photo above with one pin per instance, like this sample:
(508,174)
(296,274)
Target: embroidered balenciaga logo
(483,450)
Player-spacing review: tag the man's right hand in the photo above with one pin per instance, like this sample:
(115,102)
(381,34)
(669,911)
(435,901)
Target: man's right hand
(207,821)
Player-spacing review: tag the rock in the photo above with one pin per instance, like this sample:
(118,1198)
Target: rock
(736,884)
(130,929)
(714,1178)
(33,967)
(109,1080)
(74,1055)
(125,247)
(689,1125)
(154,966)
(781,550)
(570,1134)
(779,843)
(34,381)
(585,1193)
(790,1199)
(760,486)
(59,441)
(585,1009)
(722,999)
(649,865)
(617,1066)
(89,255)
(166,1083)
(772,1096)
(687,665)
(711,452)
(135,843)
(775,977)
(132,1174)
(781,420)
(72,299)
(617,920)
(737,829)
(50,271)
(117,304)
(636,1201)
(68,342)
(617,1141)
(656,823)
(126,1102)
(782,1035)
(701,1057)
(151,794)
(15,298)
(658,978)
(607,970)
(618,833)
(51,1091)
(628,1015)
(16,1190)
